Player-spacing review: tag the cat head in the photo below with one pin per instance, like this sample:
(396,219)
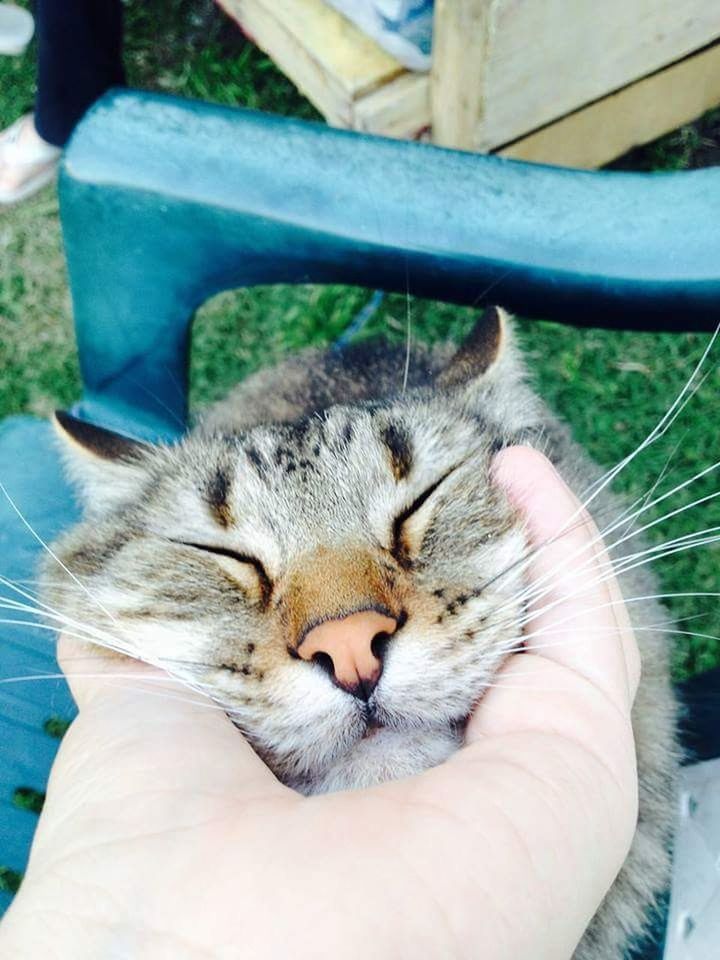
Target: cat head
(334,581)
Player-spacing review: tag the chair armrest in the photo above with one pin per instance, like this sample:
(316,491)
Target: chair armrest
(166,202)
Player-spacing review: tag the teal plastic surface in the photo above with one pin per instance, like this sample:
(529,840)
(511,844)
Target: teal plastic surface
(166,202)
(31,473)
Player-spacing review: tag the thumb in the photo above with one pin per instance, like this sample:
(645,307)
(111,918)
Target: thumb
(577,614)
(579,673)
(153,722)
(93,671)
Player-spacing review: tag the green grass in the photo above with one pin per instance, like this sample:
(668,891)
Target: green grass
(9,880)
(56,727)
(611,387)
(27,798)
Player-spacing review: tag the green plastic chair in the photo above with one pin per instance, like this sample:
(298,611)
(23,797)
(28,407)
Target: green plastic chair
(166,202)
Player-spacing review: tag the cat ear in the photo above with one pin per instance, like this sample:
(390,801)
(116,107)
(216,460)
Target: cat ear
(108,468)
(481,352)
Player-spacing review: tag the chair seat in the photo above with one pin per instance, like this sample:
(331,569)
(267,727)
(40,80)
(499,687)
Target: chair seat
(31,472)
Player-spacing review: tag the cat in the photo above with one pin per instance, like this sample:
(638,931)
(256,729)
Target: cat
(326,556)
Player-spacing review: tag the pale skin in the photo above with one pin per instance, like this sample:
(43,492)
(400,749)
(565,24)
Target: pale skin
(164,837)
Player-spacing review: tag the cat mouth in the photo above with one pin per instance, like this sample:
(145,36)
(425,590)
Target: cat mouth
(374,726)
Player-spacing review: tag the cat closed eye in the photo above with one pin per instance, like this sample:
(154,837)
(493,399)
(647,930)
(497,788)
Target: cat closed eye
(403,543)
(242,558)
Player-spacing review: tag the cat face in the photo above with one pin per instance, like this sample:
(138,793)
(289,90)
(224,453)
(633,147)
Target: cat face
(333,582)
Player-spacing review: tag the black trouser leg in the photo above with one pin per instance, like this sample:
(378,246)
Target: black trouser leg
(79,58)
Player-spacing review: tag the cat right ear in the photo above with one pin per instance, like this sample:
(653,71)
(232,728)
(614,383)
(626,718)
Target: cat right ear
(107,467)
(480,353)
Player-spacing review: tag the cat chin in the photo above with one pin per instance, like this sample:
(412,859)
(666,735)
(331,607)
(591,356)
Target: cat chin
(385,754)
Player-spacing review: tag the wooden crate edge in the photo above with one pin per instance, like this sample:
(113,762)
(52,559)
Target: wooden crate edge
(330,91)
(637,114)
(399,109)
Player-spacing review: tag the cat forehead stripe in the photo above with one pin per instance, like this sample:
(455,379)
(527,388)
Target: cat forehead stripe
(216,495)
(397,440)
(256,459)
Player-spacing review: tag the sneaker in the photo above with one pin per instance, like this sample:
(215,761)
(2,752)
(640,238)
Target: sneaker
(27,162)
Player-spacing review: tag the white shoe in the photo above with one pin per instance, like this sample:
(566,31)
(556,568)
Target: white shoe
(34,161)
(16,29)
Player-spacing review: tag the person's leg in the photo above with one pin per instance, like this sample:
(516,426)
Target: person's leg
(79,58)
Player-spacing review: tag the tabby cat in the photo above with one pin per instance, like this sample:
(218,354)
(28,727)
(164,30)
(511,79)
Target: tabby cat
(325,555)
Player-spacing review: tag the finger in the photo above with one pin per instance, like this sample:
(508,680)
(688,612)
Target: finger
(99,676)
(578,616)
(92,670)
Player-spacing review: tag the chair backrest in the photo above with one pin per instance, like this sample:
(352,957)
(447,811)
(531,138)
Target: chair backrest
(166,202)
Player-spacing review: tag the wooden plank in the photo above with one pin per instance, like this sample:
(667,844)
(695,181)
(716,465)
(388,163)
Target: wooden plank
(550,57)
(326,57)
(491,91)
(399,109)
(639,113)
(462,32)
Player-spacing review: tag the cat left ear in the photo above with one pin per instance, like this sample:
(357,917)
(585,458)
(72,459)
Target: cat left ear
(92,441)
(107,467)
(480,352)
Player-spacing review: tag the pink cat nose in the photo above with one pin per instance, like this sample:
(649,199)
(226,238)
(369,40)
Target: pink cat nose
(351,648)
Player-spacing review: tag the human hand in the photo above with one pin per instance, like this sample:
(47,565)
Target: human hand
(165,836)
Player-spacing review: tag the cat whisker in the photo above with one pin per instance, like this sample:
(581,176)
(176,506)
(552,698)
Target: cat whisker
(544,584)
(50,614)
(613,569)
(408,335)
(118,679)
(176,698)
(617,565)
(517,644)
(491,286)
(154,396)
(658,500)
(65,676)
(603,534)
(189,663)
(42,626)
(660,428)
(26,594)
(62,622)
(627,600)
(538,586)
(599,633)
(506,685)
(525,559)
(85,633)
(50,551)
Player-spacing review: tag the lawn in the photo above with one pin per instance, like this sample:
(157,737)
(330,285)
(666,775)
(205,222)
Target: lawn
(611,387)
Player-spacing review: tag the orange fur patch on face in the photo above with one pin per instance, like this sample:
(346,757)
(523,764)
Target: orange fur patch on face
(328,584)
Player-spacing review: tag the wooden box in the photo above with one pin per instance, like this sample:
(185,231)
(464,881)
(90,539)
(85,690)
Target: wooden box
(573,82)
